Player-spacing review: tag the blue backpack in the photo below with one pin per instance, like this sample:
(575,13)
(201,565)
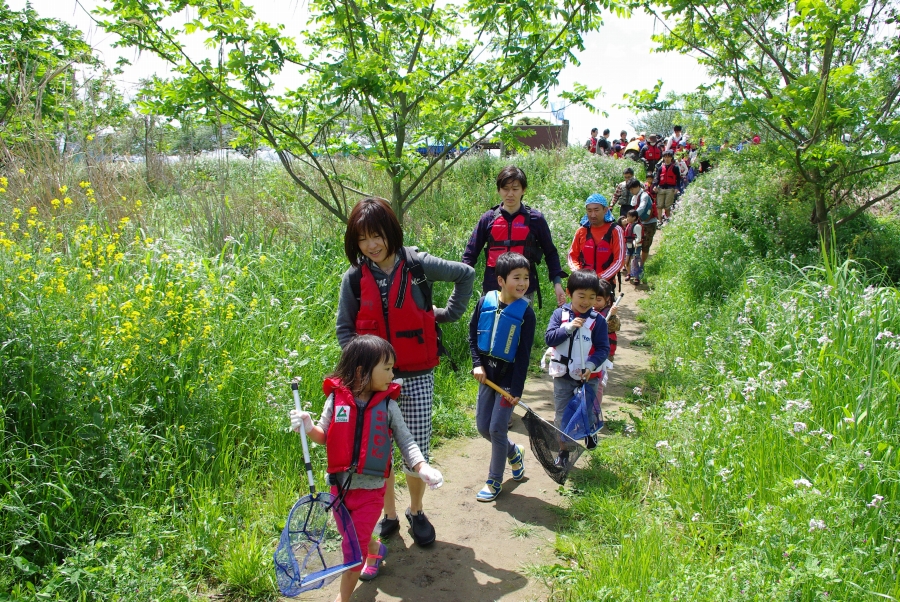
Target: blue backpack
(499,330)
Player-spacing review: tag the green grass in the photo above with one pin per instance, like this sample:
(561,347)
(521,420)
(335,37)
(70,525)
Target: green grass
(146,348)
(768,466)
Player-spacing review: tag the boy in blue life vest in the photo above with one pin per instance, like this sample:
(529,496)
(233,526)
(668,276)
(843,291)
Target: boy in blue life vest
(579,342)
(501,334)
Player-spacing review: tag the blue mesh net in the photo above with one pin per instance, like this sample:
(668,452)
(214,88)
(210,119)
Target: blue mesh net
(582,418)
(318,543)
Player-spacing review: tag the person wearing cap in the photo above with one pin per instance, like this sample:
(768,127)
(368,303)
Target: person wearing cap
(599,242)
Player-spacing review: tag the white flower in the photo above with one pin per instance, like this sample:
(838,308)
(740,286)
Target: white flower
(824,340)
(695,325)
(815,523)
(637,392)
(799,427)
(696,517)
(725,473)
(662,445)
(802,483)
(884,334)
(797,405)
(849,420)
(876,499)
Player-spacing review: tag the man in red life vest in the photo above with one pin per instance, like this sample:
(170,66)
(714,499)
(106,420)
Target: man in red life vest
(599,242)
(666,183)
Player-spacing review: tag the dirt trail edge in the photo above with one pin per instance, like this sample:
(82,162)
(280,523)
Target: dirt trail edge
(483,550)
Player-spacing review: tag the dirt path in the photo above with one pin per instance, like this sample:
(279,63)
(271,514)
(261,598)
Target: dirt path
(483,550)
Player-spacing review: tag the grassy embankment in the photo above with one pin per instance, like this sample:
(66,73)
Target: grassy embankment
(147,342)
(766,464)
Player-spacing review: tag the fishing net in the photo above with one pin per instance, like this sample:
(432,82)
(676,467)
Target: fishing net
(545,439)
(310,552)
(318,542)
(582,417)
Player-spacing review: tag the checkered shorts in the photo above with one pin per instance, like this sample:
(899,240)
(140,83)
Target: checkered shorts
(416,399)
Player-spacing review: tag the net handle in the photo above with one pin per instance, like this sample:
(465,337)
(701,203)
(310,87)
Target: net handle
(295,389)
(506,394)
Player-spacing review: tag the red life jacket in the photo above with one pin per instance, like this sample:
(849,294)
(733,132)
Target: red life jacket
(359,442)
(629,233)
(593,143)
(515,237)
(652,152)
(410,329)
(598,255)
(667,174)
(612,336)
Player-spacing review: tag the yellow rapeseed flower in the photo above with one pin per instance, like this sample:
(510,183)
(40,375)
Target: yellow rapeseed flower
(56,203)
(17,213)
(67,201)
(33,210)
(21,171)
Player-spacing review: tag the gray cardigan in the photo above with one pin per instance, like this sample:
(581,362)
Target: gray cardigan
(436,270)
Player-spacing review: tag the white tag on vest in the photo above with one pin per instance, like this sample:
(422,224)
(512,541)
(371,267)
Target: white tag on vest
(342,414)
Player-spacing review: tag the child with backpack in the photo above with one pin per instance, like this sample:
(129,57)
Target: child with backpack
(647,217)
(579,343)
(501,334)
(633,242)
(362,383)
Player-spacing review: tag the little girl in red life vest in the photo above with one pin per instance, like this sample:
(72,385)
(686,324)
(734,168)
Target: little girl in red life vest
(362,382)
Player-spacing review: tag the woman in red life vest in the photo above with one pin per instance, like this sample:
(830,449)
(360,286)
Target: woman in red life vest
(515,227)
(387,293)
(599,242)
(361,415)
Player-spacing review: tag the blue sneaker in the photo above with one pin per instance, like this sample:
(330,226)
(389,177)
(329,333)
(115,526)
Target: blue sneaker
(490,491)
(517,464)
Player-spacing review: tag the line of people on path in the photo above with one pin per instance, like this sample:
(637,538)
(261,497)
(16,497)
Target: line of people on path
(649,149)
(382,391)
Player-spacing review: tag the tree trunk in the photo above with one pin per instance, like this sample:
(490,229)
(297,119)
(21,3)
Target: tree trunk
(397,197)
(823,224)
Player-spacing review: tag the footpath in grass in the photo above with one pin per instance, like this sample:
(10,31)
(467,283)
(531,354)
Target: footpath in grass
(500,550)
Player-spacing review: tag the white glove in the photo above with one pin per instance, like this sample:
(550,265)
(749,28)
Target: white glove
(299,419)
(431,476)
(570,327)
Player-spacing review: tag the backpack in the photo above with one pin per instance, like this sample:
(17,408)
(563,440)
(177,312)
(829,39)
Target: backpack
(499,329)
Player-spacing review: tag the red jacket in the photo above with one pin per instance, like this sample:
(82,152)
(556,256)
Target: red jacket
(598,248)
(413,331)
(354,445)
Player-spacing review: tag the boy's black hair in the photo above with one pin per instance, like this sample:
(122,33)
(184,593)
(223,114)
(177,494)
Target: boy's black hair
(510,174)
(633,213)
(594,130)
(628,170)
(607,289)
(583,280)
(623,132)
(633,183)
(507,262)
(360,357)
(669,153)
(606,132)
(676,128)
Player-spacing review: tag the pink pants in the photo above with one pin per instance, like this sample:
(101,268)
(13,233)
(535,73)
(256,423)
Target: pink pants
(364,506)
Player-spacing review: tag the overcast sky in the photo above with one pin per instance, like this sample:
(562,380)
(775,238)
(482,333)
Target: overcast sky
(617,58)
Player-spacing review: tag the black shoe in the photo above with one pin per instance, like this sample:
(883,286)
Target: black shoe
(562,460)
(388,526)
(422,529)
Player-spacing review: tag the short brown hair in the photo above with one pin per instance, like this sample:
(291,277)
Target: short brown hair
(510,174)
(372,216)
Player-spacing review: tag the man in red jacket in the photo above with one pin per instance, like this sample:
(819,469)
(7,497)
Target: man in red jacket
(599,242)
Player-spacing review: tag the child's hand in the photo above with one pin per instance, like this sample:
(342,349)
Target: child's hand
(560,295)
(508,402)
(431,476)
(478,373)
(612,311)
(574,325)
(299,419)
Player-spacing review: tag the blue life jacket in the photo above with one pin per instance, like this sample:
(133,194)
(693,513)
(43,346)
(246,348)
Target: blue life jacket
(499,330)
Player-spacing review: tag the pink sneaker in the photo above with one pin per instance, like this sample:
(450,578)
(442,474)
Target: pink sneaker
(369,572)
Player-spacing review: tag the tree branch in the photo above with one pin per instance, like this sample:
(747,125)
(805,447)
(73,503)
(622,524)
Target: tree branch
(859,210)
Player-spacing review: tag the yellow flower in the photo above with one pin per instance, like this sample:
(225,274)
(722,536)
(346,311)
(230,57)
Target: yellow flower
(17,213)
(63,189)
(22,171)
(163,341)
(3,181)
(56,203)
(67,201)
(137,204)
(262,259)
(33,210)
(14,226)
(90,137)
